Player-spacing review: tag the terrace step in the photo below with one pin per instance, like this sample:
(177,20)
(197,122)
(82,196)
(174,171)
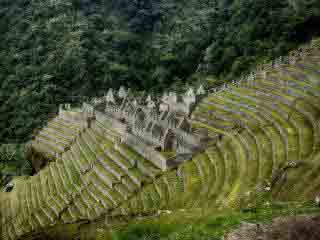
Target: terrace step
(264,125)
(77,120)
(60,141)
(111,195)
(73,124)
(123,190)
(77,153)
(44,148)
(104,175)
(61,135)
(102,130)
(55,147)
(216,159)
(62,128)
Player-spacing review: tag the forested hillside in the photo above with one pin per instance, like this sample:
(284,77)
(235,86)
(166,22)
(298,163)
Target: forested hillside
(51,50)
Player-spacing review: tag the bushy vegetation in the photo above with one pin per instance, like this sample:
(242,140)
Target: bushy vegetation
(53,49)
(13,162)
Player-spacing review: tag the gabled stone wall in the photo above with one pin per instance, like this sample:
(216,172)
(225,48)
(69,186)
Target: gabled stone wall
(150,125)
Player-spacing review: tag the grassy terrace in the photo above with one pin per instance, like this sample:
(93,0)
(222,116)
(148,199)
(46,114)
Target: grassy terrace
(90,179)
(57,136)
(267,150)
(112,179)
(278,127)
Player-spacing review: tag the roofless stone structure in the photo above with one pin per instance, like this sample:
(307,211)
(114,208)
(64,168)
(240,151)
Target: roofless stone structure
(160,125)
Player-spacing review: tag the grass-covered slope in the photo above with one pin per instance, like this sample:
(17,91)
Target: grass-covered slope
(205,224)
(191,224)
(267,151)
(93,177)
(268,147)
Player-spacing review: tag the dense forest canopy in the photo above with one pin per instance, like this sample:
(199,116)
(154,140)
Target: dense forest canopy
(52,49)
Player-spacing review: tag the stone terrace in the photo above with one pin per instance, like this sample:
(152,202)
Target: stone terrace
(258,134)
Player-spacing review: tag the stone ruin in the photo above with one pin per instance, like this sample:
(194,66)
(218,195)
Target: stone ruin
(156,125)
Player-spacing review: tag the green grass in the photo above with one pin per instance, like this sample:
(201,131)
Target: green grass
(200,225)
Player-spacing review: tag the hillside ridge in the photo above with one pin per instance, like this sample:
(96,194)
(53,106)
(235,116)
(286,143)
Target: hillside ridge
(215,148)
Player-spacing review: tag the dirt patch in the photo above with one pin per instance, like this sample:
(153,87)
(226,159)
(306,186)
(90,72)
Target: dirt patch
(281,228)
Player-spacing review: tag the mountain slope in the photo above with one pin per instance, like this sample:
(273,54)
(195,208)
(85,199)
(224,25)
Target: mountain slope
(267,150)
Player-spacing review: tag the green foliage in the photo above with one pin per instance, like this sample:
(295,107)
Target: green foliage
(53,49)
(256,31)
(13,160)
(192,226)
